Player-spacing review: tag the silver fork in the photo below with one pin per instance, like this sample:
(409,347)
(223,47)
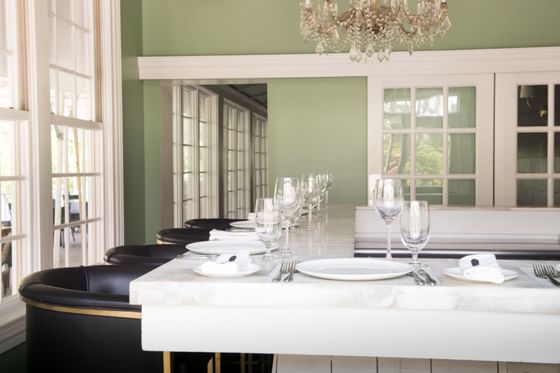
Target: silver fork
(543,271)
(291,270)
(283,270)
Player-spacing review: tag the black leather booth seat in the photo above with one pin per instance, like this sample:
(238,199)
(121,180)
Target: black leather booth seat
(182,236)
(210,223)
(146,255)
(79,320)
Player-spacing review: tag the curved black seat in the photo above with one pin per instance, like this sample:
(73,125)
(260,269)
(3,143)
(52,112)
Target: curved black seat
(79,319)
(182,236)
(210,223)
(145,255)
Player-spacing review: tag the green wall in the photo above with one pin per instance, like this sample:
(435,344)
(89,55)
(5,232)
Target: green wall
(334,108)
(320,124)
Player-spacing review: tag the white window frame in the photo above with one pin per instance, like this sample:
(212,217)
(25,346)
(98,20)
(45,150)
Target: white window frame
(483,131)
(211,163)
(507,130)
(38,160)
(241,204)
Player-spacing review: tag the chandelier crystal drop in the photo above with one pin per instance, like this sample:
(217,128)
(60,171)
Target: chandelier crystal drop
(371,27)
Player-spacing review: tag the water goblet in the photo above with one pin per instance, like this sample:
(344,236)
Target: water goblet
(415,227)
(310,192)
(267,224)
(388,200)
(287,194)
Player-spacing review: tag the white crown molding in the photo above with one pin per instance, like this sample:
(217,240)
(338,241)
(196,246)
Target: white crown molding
(218,68)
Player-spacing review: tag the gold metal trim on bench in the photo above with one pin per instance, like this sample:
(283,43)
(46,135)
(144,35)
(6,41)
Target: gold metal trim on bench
(84,311)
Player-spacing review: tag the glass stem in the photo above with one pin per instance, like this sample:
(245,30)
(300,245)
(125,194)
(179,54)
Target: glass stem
(388,256)
(310,214)
(287,243)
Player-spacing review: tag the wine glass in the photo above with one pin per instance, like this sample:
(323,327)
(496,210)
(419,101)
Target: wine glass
(310,193)
(287,194)
(388,199)
(415,227)
(267,223)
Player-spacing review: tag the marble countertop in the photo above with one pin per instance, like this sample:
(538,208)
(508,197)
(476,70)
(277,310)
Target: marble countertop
(353,318)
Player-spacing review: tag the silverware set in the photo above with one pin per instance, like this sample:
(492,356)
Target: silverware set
(547,271)
(286,272)
(421,277)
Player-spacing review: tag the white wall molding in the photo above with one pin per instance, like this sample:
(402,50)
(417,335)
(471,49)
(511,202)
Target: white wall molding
(216,68)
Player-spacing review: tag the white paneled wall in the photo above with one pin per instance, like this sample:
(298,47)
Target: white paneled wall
(345,364)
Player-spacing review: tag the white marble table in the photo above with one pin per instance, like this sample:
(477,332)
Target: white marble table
(182,311)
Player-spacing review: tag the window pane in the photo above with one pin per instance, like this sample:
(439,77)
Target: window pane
(83,99)
(83,58)
(461,193)
(52,40)
(557,152)
(531,193)
(531,105)
(7,207)
(429,154)
(187,131)
(66,89)
(396,154)
(430,190)
(429,108)
(203,159)
(53,83)
(531,152)
(187,159)
(557,193)
(396,108)
(203,134)
(187,188)
(557,105)
(7,150)
(65,48)
(6,269)
(64,8)
(203,184)
(461,107)
(462,153)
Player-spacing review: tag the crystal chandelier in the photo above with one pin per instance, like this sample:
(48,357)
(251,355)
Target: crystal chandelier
(371,27)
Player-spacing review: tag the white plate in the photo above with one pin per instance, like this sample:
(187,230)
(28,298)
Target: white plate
(219,247)
(251,268)
(456,273)
(354,269)
(243,224)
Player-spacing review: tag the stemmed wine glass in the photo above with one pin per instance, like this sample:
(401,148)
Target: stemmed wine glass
(287,194)
(310,192)
(415,227)
(388,199)
(267,223)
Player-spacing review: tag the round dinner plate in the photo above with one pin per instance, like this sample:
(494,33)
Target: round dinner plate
(353,269)
(219,247)
(251,268)
(243,224)
(455,272)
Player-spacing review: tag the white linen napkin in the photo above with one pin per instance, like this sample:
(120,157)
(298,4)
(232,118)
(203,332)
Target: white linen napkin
(481,267)
(216,234)
(227,263)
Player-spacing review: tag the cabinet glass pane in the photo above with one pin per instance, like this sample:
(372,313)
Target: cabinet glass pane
(187,103)
(430,190)
(557,153)
(461,107)
(429,154)
(532,103)
(396,108)
(557,193)
(531,193)
(396,154)
(429,108)
(531,152)
(462,153)
(557,105)
(461,193)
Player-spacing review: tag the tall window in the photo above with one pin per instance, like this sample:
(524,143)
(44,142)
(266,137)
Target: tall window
(13,146)
(236,139)
(196,154)
(260,156)
(75,133)
(434,136)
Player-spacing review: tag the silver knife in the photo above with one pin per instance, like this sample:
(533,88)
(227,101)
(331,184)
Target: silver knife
(429,279)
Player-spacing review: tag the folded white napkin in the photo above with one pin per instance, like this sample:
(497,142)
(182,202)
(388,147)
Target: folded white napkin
(216,234)
(481,267)
(227,263)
